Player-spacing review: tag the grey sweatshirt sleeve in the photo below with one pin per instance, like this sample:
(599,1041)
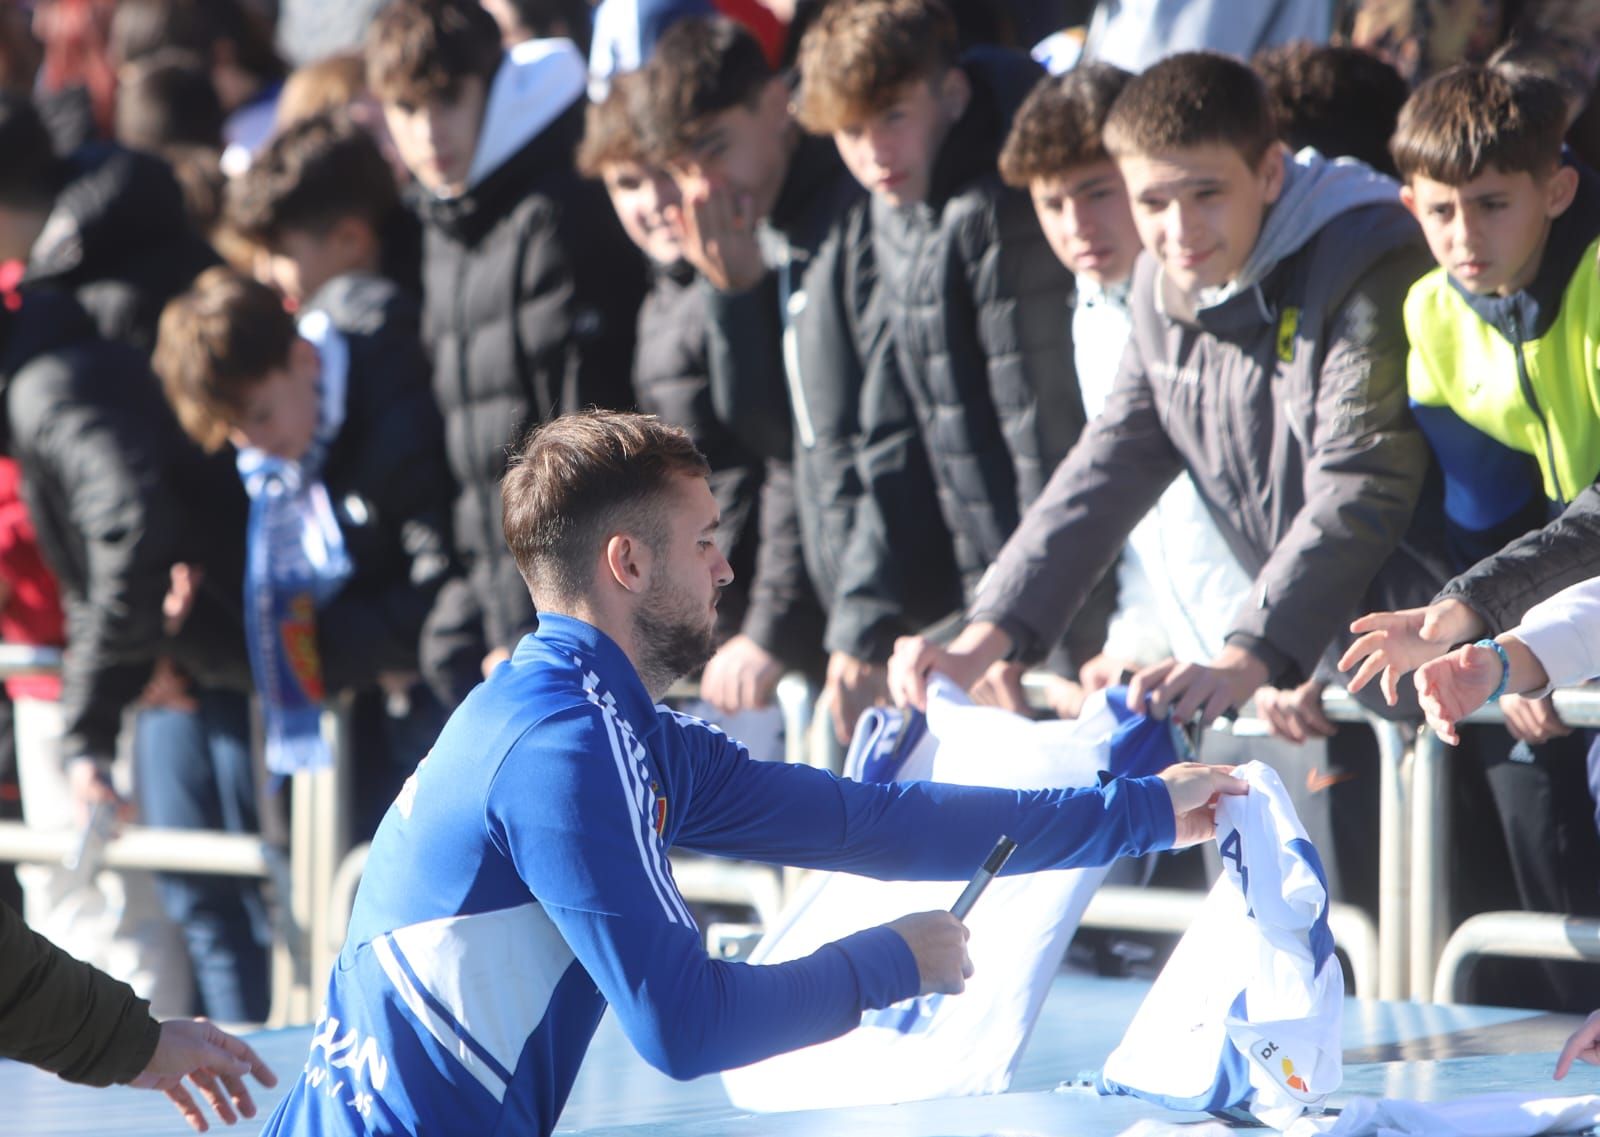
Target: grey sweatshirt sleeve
(1074,531)
(1365,465)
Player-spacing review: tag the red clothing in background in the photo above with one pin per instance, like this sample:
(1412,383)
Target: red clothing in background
(32,612)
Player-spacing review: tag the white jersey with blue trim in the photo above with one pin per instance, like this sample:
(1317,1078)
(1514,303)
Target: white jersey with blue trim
(520,883)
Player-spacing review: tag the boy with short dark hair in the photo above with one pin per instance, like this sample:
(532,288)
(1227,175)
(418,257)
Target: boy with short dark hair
(318,201)
(1178,583)
(779,229)
(1265,359)
(1504,337)
(1513,229)
(530,285)
(1339,99)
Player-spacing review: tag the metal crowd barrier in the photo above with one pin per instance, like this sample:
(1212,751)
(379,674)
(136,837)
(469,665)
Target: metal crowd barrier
(318,836)
(1419,956)
(1443,964)
(1405,956)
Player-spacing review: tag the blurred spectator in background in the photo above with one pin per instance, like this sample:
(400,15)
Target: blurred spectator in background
(339,83)
(1133,34)
(671,371)
(104,223)
(522,20)
(1559,39)
(231,41)
(338,442)
(1342,101)
(112,920)
(78,80)
(531,287)
(167,100)
(118,498)
(316,208)
(321,207)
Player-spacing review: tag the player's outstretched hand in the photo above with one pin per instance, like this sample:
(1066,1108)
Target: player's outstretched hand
(1195,788)
(1584,1044)
(939,942)
(213,1061)
(1393,643)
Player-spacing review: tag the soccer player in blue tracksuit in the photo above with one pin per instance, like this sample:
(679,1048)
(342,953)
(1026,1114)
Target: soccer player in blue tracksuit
(520,884)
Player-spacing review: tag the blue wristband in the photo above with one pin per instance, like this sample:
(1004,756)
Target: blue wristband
(1505,666)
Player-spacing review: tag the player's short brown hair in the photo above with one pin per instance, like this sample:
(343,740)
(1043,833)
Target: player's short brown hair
(860,54)
(1466,119)
(420,50)
(1194,98)
(217,342)
(1059,124)
(580,478)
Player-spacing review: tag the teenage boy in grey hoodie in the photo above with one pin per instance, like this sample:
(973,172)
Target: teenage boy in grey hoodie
(1266,358)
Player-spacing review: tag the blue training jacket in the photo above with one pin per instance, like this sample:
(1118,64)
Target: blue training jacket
(520,883)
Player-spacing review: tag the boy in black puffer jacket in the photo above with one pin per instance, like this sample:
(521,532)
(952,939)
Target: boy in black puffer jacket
(103,224)
(530,286)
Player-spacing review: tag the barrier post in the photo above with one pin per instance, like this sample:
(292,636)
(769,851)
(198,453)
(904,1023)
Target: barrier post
(1430,838)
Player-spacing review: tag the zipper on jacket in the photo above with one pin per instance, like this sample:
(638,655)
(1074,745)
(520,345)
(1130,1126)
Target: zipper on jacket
(1538,411)
(788,313)
(462,353)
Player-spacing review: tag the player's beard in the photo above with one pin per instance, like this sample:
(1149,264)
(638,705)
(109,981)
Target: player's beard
(671,637)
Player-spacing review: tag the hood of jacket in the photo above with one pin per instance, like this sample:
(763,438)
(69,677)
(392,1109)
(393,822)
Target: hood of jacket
(115,204)
(363,304)
(1000,79)
(1527,313)
(1315,191)
(531,120)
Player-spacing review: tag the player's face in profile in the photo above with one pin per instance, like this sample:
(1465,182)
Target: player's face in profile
(675,623)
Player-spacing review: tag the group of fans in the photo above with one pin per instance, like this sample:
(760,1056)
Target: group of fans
(1159,376)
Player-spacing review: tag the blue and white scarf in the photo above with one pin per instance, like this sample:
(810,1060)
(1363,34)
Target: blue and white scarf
(295,563)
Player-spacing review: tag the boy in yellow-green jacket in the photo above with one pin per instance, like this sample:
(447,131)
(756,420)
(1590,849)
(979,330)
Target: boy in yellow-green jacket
(1504,334)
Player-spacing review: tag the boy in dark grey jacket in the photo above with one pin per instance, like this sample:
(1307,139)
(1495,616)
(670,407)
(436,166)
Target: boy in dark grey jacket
(1267,358)
(801,367)
(976,301)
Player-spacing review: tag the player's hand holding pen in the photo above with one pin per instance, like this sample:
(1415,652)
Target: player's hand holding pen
(1195,788)
(938,940)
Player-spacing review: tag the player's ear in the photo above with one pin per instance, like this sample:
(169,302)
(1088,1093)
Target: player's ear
(627,562)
